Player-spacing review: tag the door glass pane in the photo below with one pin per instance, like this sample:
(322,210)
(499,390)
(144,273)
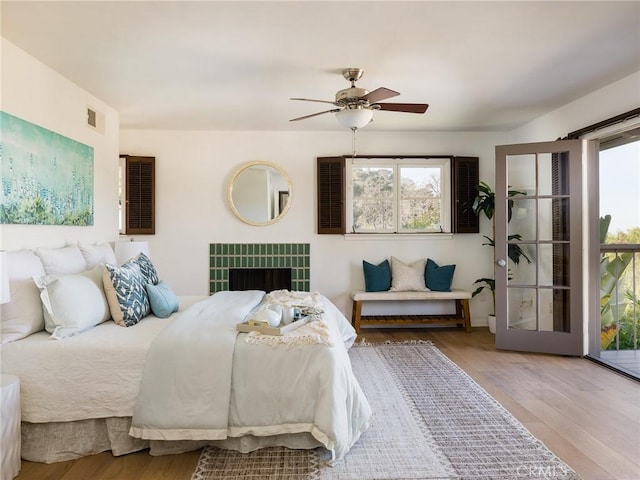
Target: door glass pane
(521,173)
(553,173)
(553,264)
(546,219)
(521,308)
(523,219)
(561,310)
(523,273)
(553,219)
(546,310)
(554,310)
(545,263)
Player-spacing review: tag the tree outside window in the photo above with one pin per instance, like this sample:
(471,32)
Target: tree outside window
(396,196)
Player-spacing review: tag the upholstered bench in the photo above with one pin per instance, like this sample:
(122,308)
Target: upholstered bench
(461,317)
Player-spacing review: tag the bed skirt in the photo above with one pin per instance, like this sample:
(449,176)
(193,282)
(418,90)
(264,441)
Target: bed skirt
(62,441)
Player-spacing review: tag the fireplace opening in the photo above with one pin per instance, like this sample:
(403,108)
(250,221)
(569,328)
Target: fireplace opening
(267,279)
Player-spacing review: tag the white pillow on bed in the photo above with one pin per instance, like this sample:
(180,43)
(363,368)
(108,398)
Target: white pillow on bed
(62,260)
(97,254)
(22,316)
(73,303)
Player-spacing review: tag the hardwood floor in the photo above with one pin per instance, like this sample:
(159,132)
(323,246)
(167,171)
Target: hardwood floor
(586,414)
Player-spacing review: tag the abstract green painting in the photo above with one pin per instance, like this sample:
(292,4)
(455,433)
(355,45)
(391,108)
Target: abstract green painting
(47,178)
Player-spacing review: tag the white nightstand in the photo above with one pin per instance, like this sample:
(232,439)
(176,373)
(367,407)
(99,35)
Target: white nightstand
(9,426)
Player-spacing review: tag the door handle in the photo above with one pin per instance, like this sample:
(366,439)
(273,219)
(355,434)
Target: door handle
(501,263)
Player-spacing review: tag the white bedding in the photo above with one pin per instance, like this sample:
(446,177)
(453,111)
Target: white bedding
(186,383)
(315,390)
(97,374)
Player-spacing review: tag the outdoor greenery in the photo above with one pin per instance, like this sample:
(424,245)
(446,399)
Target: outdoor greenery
(373,201)
(619,304)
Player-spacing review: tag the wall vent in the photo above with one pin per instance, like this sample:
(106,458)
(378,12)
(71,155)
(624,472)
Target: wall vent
(95,119)
(91,118)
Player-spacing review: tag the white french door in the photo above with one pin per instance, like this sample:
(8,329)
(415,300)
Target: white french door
(539,304)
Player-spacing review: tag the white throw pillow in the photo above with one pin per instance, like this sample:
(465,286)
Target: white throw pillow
(22,316)
(97,254)
(407,278)
(62,260)
(73,303)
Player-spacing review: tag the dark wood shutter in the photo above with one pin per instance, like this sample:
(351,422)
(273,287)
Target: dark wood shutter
(331,195)
(140,195)
(465,177)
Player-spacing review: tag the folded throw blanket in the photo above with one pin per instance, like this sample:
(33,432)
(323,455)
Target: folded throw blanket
(313,333)
(309,303)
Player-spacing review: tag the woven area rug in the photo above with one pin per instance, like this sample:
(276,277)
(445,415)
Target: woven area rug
(431,421)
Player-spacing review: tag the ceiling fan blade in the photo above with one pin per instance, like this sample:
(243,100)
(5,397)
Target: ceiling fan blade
(378,94)
(333,110)
(404,107)
(312,100)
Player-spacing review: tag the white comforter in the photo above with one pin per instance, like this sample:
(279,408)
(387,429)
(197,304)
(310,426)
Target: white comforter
(186,384)
(191,392)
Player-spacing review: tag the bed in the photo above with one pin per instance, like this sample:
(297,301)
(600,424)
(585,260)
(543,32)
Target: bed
(90,392)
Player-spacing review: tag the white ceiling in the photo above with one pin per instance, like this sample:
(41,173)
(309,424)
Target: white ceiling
(234,65)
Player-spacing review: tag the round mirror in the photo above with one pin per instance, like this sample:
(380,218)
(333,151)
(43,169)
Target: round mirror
(259,193)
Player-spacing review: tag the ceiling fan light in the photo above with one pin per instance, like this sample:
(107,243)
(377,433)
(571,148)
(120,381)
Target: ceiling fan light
(354,117)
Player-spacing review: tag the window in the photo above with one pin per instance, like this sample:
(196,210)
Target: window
(137,195)
(397,194)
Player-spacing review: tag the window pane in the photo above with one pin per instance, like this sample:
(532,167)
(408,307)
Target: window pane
(372,198)
(420,198)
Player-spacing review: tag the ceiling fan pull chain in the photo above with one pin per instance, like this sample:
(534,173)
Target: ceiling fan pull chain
(353,142)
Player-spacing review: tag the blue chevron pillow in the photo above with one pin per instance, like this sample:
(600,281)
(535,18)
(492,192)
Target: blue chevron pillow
(146,268)
(124,287)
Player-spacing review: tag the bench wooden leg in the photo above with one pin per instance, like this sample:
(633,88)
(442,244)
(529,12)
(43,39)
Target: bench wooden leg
(356,313)
(467,318)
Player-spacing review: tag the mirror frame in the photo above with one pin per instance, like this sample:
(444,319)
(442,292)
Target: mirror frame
(241,169)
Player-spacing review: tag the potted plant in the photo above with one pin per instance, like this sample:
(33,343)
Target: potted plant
(485,203)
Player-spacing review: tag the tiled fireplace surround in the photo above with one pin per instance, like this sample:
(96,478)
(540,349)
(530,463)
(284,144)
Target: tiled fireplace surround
(223,256)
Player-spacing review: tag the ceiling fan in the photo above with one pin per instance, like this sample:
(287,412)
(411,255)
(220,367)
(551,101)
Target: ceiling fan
(355,105)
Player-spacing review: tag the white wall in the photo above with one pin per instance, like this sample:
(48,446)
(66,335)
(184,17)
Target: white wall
(614,99)
(192,172)
(33,92)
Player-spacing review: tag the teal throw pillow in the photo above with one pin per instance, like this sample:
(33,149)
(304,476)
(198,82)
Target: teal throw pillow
(438,278)
(377,278)
(162,299)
